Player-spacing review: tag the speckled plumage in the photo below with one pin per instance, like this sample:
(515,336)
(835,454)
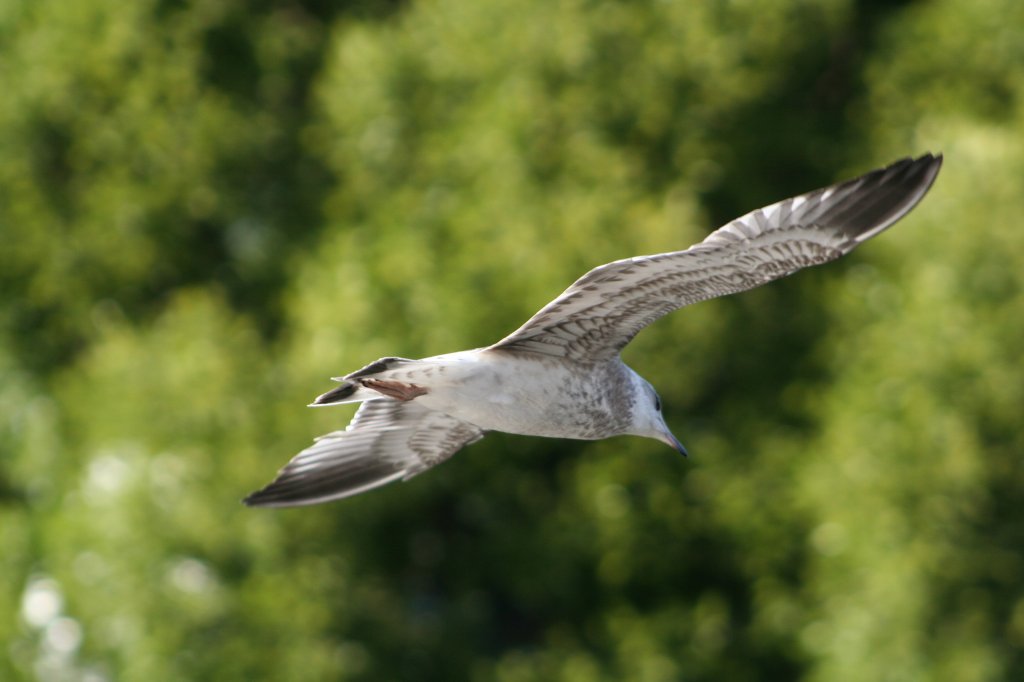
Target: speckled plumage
(560,375)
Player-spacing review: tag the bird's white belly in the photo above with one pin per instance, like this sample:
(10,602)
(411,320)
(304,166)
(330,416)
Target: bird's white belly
(499,392)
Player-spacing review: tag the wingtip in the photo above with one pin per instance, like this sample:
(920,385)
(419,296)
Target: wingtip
(929,164)
(909,179)
(936,162)
(335,395)
(252,499)
(270,496)
(267,496)
(932,160)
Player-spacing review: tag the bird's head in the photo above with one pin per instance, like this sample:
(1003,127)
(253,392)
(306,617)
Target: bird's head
(648,420)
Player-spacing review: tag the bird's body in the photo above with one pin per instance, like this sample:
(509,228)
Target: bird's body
(560,374)
(523,393)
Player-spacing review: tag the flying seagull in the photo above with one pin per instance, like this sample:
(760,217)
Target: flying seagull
(560,374)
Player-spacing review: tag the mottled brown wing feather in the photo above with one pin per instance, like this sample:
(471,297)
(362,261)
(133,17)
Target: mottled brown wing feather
(386,441)
(601,312)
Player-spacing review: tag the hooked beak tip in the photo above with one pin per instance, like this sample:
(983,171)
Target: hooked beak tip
(673,442)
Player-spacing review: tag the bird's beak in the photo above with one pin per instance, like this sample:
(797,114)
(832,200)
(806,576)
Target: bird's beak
(668,439)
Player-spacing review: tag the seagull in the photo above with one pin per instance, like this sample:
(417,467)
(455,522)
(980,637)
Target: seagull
(560,374)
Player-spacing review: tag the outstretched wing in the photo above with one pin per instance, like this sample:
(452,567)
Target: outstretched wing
(387,440)
(599,314)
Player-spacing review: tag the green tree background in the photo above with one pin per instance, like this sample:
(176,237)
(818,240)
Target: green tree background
(208,207)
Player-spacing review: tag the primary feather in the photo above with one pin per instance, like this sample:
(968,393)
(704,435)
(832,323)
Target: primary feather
(603,310)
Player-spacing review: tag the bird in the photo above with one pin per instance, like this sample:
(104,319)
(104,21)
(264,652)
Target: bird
(560,374)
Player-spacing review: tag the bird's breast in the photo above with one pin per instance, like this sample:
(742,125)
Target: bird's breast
(531,395)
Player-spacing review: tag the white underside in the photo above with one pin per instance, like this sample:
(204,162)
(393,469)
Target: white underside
(502,392)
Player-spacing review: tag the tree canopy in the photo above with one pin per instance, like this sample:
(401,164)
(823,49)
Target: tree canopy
(209,207)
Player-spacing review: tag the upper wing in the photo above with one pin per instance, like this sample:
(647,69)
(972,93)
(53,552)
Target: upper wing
(387,440)
(603,310)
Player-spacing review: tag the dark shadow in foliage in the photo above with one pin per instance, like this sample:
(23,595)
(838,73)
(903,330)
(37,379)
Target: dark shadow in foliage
(271,194)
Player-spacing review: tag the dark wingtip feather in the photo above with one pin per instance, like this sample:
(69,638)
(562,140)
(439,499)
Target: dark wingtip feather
(376,367)
(882,197)
(336,394)
(294,487)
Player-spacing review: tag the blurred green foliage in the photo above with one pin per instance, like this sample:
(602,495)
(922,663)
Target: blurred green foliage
(208,207)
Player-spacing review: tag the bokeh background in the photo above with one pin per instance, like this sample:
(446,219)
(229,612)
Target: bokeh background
(209,207)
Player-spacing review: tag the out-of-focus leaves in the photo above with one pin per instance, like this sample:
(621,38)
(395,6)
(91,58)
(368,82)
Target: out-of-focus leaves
(209,208)
(147,147)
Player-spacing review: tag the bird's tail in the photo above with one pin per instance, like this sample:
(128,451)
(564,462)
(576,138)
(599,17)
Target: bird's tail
(352,390)
(347,392)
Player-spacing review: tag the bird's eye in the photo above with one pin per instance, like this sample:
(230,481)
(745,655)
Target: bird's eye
(657,403)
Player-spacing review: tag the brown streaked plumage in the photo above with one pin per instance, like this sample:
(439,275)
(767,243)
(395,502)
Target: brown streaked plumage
(560,374)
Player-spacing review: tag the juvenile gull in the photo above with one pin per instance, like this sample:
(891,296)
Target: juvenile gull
(560,374)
